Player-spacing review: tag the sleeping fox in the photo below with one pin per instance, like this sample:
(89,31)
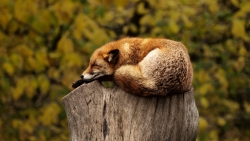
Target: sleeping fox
(144,67)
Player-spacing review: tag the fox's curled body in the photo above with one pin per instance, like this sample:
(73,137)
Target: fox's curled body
(143,66)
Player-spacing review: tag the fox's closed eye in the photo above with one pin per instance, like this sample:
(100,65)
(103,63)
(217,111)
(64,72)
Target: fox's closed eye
(95,65)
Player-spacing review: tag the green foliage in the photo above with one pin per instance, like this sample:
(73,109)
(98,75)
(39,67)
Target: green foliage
(45,45)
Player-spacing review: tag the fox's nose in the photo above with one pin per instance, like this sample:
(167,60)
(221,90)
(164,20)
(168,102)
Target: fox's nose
(82,76)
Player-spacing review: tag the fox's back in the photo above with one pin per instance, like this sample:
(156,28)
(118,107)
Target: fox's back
(164,61)
(133,50)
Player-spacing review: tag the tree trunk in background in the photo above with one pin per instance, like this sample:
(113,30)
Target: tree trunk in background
(98,113)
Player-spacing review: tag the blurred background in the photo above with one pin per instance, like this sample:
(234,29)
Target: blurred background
(45,45)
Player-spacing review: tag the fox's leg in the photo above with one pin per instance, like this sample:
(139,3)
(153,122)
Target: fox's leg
(131,79)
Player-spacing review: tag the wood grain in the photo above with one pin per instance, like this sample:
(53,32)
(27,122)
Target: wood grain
(110,114)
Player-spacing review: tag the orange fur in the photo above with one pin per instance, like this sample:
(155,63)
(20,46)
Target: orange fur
(143,66)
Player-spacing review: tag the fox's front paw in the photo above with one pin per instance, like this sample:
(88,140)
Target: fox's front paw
(78,83)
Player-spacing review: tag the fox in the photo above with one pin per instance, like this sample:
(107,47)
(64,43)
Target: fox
(141,66)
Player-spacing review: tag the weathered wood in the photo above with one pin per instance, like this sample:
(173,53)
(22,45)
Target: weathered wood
(98,113)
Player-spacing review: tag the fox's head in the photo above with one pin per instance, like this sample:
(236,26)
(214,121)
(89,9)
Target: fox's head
(102,63)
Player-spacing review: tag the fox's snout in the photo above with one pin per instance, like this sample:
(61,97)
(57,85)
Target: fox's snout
(88,76)
(91,77)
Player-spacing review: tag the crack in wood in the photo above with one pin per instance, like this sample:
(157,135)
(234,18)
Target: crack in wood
(104,109)
(105,128)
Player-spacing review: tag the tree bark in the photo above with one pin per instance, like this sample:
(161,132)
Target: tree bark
(110,114)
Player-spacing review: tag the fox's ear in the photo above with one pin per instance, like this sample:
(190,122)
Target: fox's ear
(112,56)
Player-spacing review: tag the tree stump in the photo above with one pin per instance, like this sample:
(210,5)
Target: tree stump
(110,114)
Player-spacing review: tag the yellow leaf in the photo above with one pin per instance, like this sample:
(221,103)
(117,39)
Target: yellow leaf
(64,10)
(235,2)
(19,11)
(107,2)
(65,45)
(247,107)
(41,59)
(90,30)
(8,68)
(27,128)
(16,60)
(68,78)
(121,3)
(221,76)
(45,17)
(173,26)
(205,88)
(125,29)
(221,121)
(238,29)
(231,47)
(204,102)
(233,106)
(186,21)
(54,73)
(4,3)
(141,8)
(213,6)
(18,90)
(54,55)
(30,89)
(203,76)
(16,123)
(44,84)
(109,16)
(13,27)
(41,23)
(239,64)
(17,93)
(207,51)
(25,9)
(31,64)
(171,4)
(77,34)
(189,11)
(32,138)
(49,114)
(133,28)
(147,20)
(203,125)
(103,38)
(79,25)
(175,16)
(24,51)
(73,60)
(242,51)
(111,34)
(156,30)
(244,10)
(245,7)
(5,17)
(220,28)
(213,135)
